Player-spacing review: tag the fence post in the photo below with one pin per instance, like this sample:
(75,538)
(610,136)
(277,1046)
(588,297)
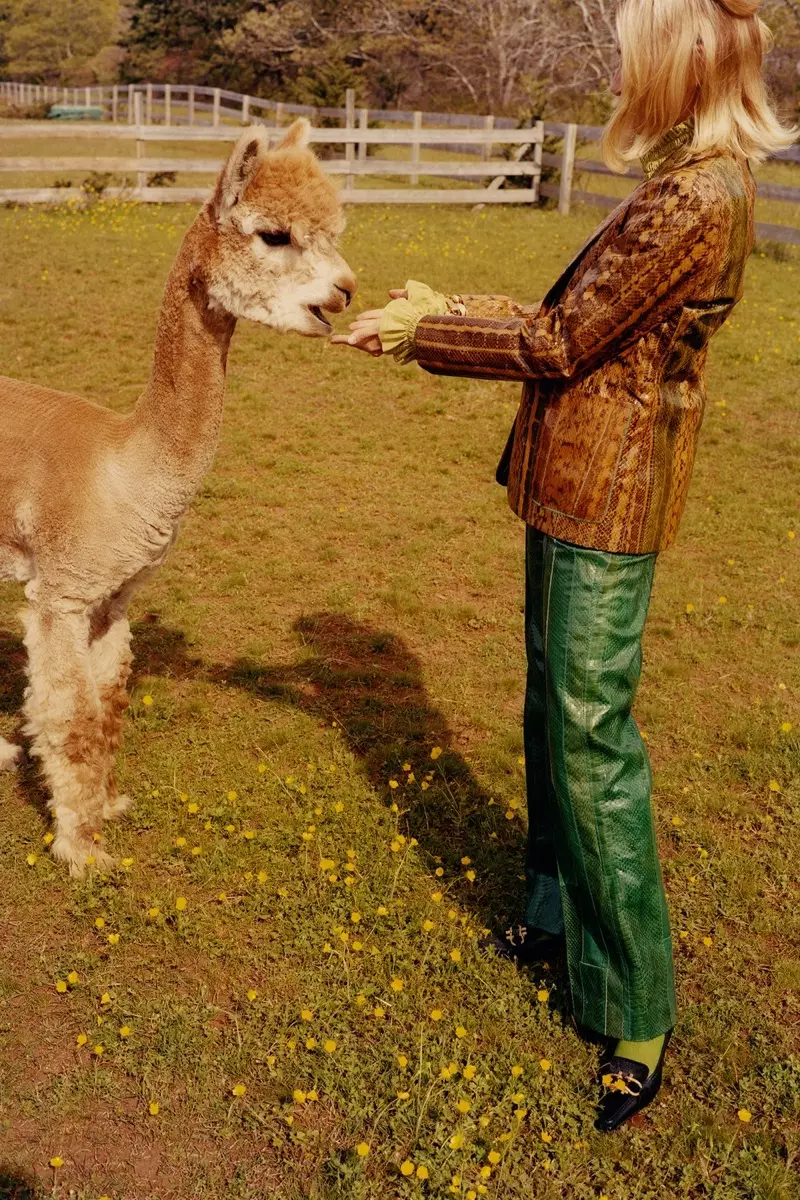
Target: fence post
(191,104)
(167,103)
(130,113)
(416,150)
(87,97)
(149,109)
(245,110)
(567,169)
(486,148)
(279,113)
(363,124)
(216,107)
(350,124)
(538,150)
(141,178)
(114,102)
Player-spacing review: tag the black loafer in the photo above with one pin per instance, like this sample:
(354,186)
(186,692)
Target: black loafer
(628,1088)
(526,946)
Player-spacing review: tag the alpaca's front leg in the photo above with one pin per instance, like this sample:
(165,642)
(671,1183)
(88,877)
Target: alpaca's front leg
(64,719)
(10,755)
(110,658)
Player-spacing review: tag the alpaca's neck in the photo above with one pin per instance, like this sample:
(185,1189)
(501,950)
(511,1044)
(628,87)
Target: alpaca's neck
(178,417)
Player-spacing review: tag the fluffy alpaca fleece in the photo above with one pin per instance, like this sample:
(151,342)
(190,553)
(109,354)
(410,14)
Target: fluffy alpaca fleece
(91,501)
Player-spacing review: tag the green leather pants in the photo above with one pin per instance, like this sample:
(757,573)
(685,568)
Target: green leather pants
(592,864)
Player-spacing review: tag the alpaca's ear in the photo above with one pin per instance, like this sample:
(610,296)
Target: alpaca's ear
(297,136)
(245,159)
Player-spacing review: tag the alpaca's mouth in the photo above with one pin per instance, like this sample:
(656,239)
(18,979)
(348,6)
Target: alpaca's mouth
(317,312)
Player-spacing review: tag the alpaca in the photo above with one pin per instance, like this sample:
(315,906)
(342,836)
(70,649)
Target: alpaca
(91,500)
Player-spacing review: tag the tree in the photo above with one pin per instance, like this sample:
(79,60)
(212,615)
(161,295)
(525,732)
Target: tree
(181,40)
(47,40)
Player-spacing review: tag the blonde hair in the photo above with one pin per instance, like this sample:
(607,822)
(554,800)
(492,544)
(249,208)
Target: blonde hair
(698,58)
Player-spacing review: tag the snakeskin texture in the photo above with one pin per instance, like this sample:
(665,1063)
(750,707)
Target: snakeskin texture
(613,359)
(592,865)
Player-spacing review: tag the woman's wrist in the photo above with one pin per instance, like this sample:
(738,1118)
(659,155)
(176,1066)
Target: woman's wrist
(401,317)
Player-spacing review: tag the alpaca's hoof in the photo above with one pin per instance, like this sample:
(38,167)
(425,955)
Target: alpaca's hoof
(10,756)
(116,807)
(80,856)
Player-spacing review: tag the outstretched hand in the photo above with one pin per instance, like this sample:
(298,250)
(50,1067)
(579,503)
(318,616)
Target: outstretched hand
(365,330)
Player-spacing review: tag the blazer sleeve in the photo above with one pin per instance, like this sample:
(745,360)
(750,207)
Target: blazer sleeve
(665,254)
(498,308)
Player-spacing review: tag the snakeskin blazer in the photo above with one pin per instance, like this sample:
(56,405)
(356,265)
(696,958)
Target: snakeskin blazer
(613,359)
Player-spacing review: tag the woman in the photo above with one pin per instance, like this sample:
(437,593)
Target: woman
(598,466)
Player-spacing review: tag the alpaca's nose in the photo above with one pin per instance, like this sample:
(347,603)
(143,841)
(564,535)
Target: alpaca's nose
(346,285)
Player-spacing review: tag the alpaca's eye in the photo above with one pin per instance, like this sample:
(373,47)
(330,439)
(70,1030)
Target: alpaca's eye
(281,238)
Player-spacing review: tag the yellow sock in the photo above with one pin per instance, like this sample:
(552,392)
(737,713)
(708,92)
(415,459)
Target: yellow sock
(642,1052)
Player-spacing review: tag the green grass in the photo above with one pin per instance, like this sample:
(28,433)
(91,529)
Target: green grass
(345,596)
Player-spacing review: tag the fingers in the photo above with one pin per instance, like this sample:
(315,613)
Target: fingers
(372,314)
(398,293)
(366,340)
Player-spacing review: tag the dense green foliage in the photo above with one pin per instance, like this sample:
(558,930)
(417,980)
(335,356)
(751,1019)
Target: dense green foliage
(503,56)
(48,40)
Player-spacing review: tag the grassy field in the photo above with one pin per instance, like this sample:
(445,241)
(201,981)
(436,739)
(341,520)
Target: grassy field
(280,994)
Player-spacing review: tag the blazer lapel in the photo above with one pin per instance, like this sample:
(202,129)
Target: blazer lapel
(557,290)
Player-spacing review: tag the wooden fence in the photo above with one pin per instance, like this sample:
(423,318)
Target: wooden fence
(149,113)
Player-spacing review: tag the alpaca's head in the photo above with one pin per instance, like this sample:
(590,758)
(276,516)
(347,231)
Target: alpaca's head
(276,217)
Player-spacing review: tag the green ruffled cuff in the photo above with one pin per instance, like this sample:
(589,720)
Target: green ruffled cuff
(401,317)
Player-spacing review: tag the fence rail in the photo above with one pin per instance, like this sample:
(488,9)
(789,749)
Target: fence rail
(149,113)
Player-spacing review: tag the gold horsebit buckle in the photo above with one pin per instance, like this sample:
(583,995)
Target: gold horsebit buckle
(615,1081)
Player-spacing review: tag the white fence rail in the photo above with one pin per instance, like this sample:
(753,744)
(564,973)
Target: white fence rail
(149,112)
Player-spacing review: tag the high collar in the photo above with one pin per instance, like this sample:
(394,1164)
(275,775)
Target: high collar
(667,148)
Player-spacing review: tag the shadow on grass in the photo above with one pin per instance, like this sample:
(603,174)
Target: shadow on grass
(14,1186)
(372,685)
(12,674)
